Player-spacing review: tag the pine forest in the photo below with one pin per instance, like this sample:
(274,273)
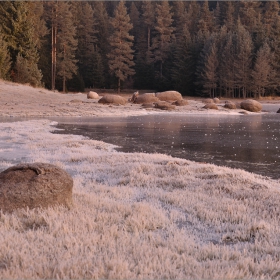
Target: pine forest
(200,48)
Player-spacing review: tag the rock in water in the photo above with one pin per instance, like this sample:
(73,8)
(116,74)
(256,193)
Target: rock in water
(34,185)
(278,111)
(251,105)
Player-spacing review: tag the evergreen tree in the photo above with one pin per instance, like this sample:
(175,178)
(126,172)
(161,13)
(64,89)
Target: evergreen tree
(183,73)
(180,20)
(206,20)
(121,54)
(101,64)
(243,60)
(263,72)
(66,44)
(26,72)
(227,14)
(87,42)
(248,12)
(227,70)
(19,33)
(134,19)
(5,60)
(161,43)
(207,69)
(193,12)
(271,12)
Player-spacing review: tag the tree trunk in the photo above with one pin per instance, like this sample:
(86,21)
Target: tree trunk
(64,84)
(54,42)
(119,86)
(149,35)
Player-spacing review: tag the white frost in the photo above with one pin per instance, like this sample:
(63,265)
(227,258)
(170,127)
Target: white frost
(138,216)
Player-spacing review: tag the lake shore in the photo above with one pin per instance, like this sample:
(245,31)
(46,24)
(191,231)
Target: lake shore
(18,100)
(135,215)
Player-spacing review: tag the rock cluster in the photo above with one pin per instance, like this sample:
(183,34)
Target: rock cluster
(34,185)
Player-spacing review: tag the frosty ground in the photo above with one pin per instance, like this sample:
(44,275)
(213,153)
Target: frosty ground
(135,216)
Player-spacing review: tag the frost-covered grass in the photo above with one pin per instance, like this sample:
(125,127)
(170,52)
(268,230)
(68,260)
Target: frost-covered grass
(138,216)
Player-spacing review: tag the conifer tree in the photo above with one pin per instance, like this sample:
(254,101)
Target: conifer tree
(5,60)
(87,42)
(19,33)
(207,69)
(271,12)
(183,73)
(227,62)
(161,43)
(193,17)
(227,14)
(102,46)
(263,72)
(149,21)
(206,20)
(121,54)
(243,60)
(66,44)
(248,11)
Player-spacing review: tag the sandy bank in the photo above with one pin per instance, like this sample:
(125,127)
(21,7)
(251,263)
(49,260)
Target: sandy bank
(18,100)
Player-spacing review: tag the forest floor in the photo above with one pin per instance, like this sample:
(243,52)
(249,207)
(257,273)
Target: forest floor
(135,215)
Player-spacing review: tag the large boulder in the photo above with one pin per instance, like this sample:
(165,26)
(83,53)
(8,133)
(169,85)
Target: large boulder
(251,105)
(212,106)
(146,98)
(93,95)
(230,105)
(112,99)
(163,105)
(169,96)
(181,102)
(278,111)
(34,185)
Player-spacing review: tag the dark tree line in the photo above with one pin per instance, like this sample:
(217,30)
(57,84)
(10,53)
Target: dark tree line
(217,48)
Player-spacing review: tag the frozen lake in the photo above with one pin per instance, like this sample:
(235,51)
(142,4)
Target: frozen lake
(249,142)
